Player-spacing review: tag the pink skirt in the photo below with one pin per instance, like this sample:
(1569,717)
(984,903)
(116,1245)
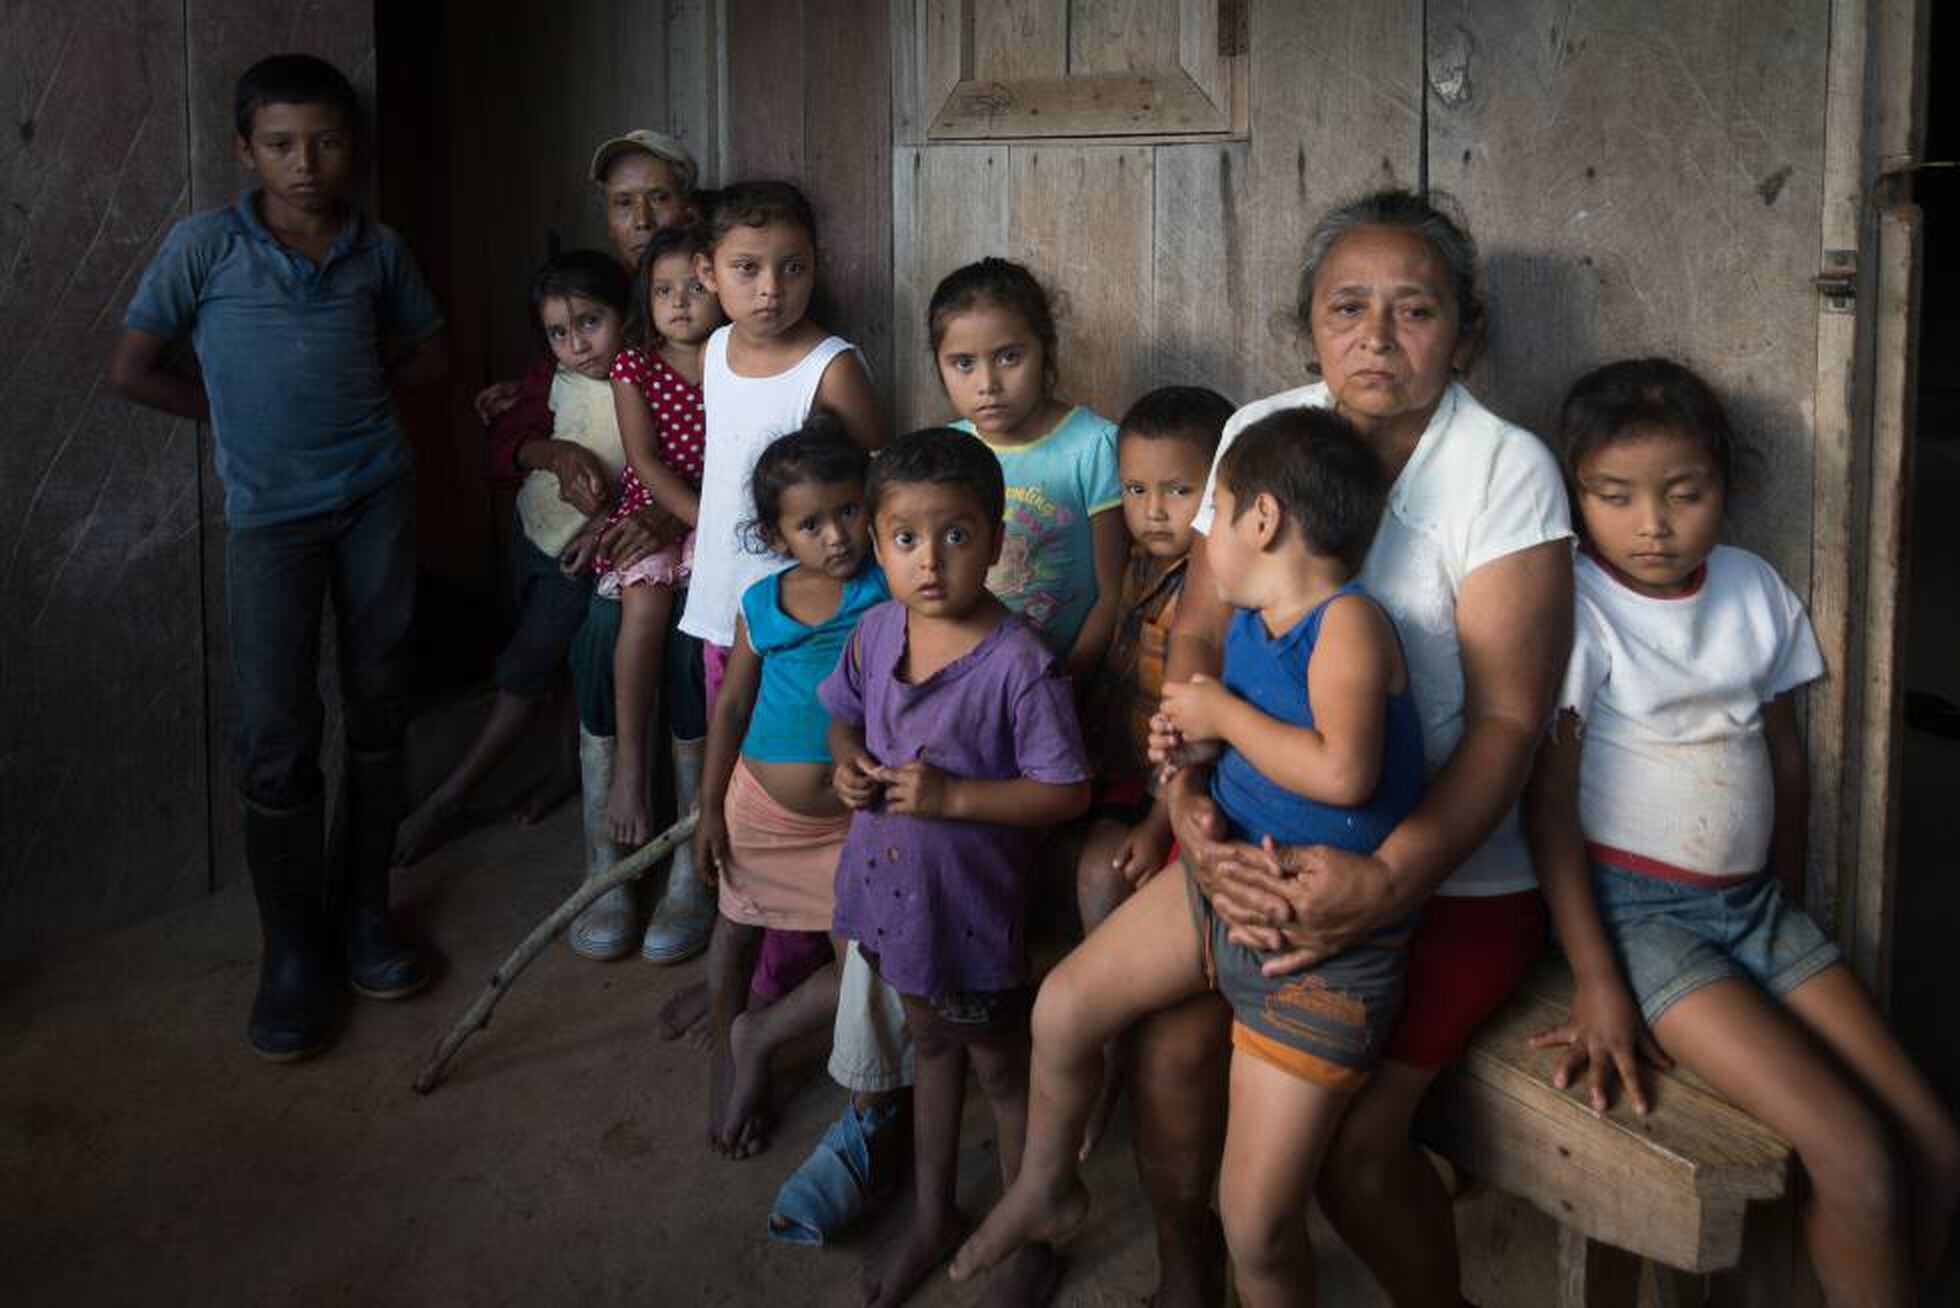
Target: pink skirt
(783,865)
(668,567)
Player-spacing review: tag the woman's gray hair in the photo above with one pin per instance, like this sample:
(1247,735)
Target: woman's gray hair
(1435,217)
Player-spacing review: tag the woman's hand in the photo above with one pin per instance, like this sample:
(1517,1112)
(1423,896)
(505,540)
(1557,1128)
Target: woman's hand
(1302,904)
(710,845)
(495,400)
(1605,1036)
(582,479)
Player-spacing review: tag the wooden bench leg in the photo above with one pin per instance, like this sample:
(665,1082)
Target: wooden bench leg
(1595,1275)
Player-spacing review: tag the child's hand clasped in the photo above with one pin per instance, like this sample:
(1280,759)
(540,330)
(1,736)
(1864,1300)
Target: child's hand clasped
(857,781)
(710,845)
(1143,851)
(1195,709)
(918,789)
(576,557)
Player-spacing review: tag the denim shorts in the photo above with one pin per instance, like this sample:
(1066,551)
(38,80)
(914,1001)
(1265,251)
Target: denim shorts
(1673,938)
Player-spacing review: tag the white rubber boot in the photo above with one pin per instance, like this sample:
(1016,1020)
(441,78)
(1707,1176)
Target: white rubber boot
(685,916)
(604,931)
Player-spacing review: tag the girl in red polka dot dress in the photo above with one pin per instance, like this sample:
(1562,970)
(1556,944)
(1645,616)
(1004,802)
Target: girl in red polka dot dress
(657,387)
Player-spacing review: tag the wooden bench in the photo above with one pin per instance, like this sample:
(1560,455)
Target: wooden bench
(1673,1189)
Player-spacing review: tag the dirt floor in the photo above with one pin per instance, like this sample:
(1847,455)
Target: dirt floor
(146,1153)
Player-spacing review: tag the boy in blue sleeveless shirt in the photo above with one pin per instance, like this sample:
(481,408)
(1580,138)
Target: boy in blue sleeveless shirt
(286,297)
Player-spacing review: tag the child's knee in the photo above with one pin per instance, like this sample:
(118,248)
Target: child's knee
(1855,1173)
(1002,1071)
(1059,1017)
(1360,1169)
(1259,1233)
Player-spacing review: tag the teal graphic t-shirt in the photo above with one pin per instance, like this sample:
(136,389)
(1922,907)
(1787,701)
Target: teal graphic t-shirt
(1055,484)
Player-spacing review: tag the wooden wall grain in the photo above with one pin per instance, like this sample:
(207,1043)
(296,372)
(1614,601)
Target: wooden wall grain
(102,675)
(809,100)
(1170,263)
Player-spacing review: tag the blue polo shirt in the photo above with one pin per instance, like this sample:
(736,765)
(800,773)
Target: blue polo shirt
(291,355)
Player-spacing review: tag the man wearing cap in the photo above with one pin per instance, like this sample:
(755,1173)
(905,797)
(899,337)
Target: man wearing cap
(646,181)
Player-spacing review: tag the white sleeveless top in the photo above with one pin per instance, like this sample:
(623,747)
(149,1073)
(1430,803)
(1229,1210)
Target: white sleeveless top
(744,415)
(582,412)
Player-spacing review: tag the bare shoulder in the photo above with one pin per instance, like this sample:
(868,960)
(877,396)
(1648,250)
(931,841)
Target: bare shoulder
(1356,632)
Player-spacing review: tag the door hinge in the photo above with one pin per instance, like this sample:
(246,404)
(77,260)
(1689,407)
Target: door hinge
(1838,283)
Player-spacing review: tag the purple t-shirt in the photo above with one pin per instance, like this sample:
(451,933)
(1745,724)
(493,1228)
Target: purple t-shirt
(942,903)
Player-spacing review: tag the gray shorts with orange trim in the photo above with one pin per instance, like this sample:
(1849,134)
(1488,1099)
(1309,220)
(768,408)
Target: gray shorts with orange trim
(1327,1024)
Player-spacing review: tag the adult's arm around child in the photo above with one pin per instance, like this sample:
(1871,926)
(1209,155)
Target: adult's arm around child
(1514,632)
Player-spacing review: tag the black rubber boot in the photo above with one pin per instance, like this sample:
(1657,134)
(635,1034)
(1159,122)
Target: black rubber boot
(380,964)
(293,1012)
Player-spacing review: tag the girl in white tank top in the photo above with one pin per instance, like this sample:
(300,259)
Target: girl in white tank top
(763,374)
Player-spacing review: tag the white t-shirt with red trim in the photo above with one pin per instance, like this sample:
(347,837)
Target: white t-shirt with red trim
(1674,772)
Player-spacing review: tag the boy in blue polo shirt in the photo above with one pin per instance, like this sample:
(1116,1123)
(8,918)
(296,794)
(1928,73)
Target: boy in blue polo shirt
(286,297)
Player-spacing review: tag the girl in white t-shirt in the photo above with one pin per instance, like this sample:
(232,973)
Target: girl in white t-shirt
(1668,815)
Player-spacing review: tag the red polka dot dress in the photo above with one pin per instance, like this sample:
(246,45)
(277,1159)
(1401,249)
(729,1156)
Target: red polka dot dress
(680,435)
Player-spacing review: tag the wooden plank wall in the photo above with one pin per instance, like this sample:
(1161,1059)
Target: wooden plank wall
(809,100)
(102,647)
(1169,262)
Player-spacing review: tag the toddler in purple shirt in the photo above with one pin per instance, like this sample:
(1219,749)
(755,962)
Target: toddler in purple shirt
(955,739)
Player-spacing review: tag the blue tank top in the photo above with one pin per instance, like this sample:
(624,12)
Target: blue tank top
(1270,673)
(788,725)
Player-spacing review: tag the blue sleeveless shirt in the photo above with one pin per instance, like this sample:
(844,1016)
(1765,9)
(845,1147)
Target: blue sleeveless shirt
(1270,673)
(788,725)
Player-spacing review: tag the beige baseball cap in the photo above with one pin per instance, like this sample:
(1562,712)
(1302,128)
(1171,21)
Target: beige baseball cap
(658,144)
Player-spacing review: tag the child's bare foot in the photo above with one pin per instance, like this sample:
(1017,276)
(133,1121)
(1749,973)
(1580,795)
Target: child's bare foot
(894,1271)
(544,801)
(721,1075)
(1112,1085)
(1025,1214)
(686,1013)
(1027,1280)
(744,1128)
(626,807)
(424,830)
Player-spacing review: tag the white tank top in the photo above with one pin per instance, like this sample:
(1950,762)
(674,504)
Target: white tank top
(744,415)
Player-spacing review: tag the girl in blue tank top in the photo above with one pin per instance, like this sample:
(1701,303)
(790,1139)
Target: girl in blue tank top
(771,827)
(1315,740)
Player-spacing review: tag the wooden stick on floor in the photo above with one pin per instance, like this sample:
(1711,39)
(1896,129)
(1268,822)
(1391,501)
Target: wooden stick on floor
(630,868)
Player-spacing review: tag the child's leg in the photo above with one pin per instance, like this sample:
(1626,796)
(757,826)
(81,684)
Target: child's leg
(636,672)
(1029,1276)
(754,1039)
(1099,887)
(1750,1048)
(1838,1011)
(731,962)
(1278,1132)
(938,1097)
(1145,957)
(432,821)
